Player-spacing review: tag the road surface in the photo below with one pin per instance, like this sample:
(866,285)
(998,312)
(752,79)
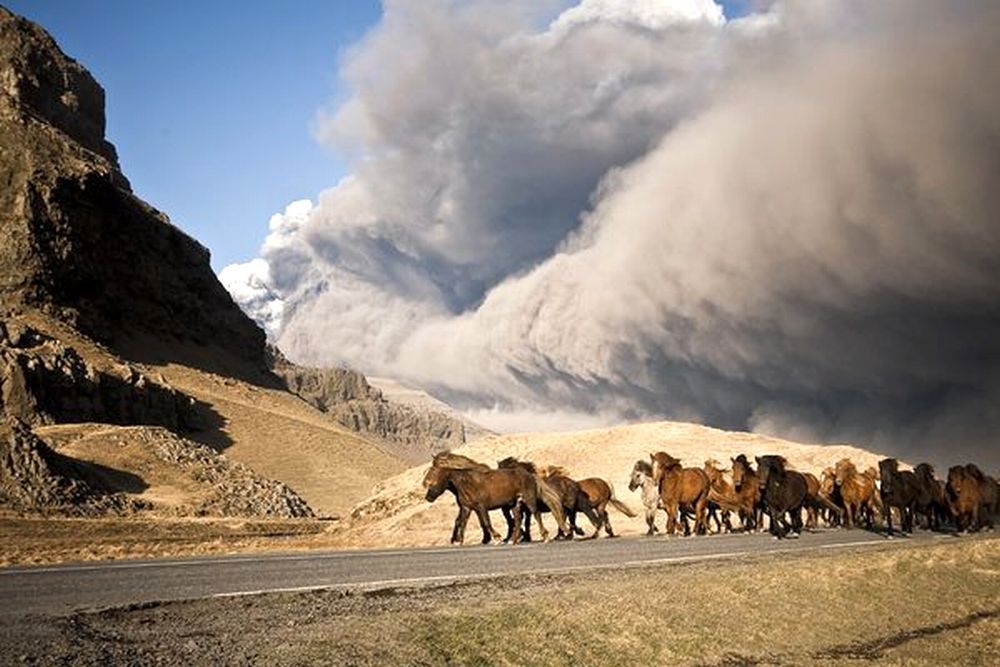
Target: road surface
(65,588)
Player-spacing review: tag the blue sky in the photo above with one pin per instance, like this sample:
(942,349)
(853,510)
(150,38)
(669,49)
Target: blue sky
(210,103)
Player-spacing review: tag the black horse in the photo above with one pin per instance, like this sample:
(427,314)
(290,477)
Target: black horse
(900,489)
(783,492)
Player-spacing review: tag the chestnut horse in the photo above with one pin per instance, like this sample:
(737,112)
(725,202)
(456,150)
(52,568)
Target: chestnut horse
(680,488)
(747,484)
(601,494)
(479,488)
(859,493)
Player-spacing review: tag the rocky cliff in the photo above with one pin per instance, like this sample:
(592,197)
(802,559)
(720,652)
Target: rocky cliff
(74,240)
(411,432)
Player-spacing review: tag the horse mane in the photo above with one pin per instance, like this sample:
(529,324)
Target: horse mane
(551,471)
(514,462)
(450,461)
(666,460)
(974,472)
(925,470)
(644,467)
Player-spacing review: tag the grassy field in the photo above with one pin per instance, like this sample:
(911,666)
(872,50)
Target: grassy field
(923,604)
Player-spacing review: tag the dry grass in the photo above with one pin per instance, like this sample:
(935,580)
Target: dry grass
(282,437)
(398,515)
(36,541)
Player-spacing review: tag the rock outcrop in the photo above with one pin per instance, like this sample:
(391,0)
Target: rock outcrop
(412,433)
(44,381)
(34,478)
(75,241)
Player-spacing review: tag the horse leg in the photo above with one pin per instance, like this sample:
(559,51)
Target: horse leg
(672,511)
(650,520)
(607,522)
(887,516)
(700,521)
(776,528)
(796,520)
(489,533)
(508,517)
(458,532)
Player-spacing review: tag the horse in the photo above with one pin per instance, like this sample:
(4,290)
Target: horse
(601,494)
(858,491)
(721,496)
(746,485)
(642,478)
(829,489)
(931,500)
(972,497)
(479,488)
(816,501)
(680,488)
(784,492)
(900,489)
(571,499)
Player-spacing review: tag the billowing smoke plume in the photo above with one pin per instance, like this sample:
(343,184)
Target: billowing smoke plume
(788,222)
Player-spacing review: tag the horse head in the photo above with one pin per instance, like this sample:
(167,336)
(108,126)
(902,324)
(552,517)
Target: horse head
(888,469)
(770,467)
(640,472)
(662,462)
(741,471)
(436,481)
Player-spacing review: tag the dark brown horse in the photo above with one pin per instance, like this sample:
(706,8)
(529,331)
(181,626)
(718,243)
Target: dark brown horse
(784,493)
(931,500)
(680,489)
(900,489)
(972,497)
(479,488)
(572,498)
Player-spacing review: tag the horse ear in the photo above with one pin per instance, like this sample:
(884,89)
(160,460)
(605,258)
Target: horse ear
(757,459)
(652,456)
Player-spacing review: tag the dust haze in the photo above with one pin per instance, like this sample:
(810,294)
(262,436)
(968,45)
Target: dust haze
(786,222)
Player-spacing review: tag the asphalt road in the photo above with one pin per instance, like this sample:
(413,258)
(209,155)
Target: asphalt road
(64,588)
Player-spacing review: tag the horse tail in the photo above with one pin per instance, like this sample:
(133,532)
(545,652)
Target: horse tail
(552,498)
(619,505)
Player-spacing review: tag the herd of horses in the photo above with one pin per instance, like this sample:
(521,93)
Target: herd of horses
(749,491)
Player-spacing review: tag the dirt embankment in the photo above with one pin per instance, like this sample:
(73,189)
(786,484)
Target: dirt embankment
(913,605)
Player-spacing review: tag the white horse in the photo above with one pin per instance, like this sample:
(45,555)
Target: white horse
(642,477)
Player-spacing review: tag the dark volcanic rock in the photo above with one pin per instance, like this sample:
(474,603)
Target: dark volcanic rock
(36,479)
(74,241)
(42,381)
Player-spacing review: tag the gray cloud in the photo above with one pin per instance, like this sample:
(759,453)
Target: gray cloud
(787,222)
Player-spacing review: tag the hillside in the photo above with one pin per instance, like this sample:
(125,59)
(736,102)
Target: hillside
(119,347)
(398,514)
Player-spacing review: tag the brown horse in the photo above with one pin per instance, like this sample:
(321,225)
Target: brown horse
(601,494)
(816,501)
(972,497)
(680,488)
(479,488)
(571,497)
(722,497)
(860,495)
(746,485)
